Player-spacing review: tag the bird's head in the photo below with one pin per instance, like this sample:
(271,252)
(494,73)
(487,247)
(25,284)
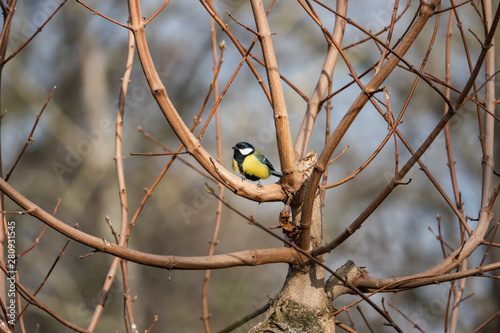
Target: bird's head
(243,148)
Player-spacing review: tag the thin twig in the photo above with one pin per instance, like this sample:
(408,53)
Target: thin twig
(345,327)
(393,51)
(124,235)
(389,35)
(365,164)
(33,300)
(415,325)
(61,252)
(453,7)
(190,165)
(120,173)
(347,121)
(35,33)
(415,157)
(128,312)
(327,136)
(490,244)
(383,30)
(337,157)
(30,137)
(159,154)
(156,13)
(247,52)
(218,214)
(287,81)
(325,79)
(353,325)
(496,315)
(218,98)
(37,240)
(240,48)
(241,24)
(364,318)
(95,12)
(245,319)
(113,232)
(155,319)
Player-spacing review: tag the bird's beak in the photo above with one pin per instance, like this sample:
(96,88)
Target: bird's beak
(234,147)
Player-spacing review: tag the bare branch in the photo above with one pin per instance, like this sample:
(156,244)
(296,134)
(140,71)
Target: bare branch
(242,258)
(218,214)
(240,48)
(36,33)
(283,135)
(159,154)
(367,283)
(245,319)
(409,164)
(30,137)
(324,80)
(153,16)
(348,119)
(33,300)
(496,315)
(272,192)
(124,235)
(95,12)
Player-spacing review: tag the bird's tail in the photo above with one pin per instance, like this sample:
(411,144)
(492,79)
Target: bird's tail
(276,173)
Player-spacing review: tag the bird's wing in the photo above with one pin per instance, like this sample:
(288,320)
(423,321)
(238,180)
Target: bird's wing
(273,172)
(263,159)
(268,163)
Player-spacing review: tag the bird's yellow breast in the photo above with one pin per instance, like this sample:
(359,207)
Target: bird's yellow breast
(253,167)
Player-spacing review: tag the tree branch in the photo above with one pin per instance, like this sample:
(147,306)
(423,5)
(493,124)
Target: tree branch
(415,157)
(426,12)
(325,78)
(283,135)
(124,234)
(242,258)
(248,190)
(370,284)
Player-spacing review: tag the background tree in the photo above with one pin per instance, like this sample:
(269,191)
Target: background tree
(351,103)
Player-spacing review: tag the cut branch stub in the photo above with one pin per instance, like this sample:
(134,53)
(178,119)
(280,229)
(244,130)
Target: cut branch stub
(350,273)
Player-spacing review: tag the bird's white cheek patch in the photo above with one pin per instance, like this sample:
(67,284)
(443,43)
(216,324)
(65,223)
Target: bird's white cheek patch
(245,151)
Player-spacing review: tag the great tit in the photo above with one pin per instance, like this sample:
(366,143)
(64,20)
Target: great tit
(251,163)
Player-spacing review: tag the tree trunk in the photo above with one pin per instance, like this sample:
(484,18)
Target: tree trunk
(302,304)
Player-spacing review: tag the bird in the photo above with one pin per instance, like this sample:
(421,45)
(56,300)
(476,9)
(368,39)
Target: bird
(251,163)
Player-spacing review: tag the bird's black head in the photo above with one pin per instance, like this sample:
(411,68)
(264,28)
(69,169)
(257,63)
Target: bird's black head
(243,149)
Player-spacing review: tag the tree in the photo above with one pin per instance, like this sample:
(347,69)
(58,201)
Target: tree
(394,65)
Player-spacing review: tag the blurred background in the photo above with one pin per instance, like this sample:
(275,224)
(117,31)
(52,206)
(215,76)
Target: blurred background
(71,159)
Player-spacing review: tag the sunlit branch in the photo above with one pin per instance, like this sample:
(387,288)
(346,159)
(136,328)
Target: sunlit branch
(283,135)
(347,121)
(272,192)
(157,12)
(415,157)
